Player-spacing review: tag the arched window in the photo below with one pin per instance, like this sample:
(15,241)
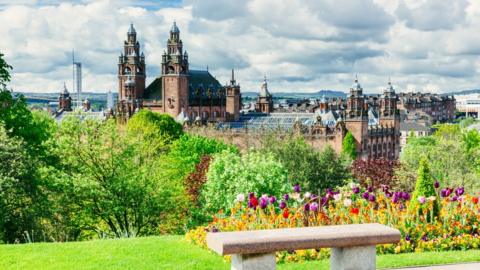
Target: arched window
(171,70)
(127,71)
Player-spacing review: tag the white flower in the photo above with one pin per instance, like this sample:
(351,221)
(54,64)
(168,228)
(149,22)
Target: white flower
(307,195)
(352,185)
(295,196)
(421,199)
(347,202)
(240,197)
(265,196)
(337,197)
(432,198)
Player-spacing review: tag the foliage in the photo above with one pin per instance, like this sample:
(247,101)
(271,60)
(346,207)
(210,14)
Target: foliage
(17,189)
(455,228)
(231,174)
(110,181)
(311,168)
(451,153)
(374,172)
(4,72)
(349,147)
(424,187)
(467,122)
(157,130)
(195,180)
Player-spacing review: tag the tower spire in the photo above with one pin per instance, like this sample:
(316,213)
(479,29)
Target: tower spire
(232,80)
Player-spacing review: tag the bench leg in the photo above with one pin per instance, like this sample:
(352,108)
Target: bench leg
(253,261)
(353,258)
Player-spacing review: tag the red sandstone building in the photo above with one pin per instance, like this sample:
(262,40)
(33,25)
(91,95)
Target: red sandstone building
(178,90)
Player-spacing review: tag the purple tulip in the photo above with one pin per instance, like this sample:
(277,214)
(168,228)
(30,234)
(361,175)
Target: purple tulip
(324,201)
(286,197)
(388,194)
(273,199)
(214,230)
(406,196)
(395,197)
(424,238)
(371,198)
(306,207)
(366,195)
(454,199)
(407,238)
(459,191)
(356,190)
(263,203)
(296,188)
(314,207)
(283,204)
(370,189)
(443,193)
(251,195)
(402,206)
(436,184)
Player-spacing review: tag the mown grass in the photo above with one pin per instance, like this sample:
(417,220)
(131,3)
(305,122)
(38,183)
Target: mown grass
(170,252)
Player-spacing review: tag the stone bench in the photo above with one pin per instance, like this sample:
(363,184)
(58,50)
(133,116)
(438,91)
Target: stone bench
(353,246)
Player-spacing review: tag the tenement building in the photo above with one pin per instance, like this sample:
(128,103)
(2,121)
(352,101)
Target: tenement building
(183,93)
(426,106)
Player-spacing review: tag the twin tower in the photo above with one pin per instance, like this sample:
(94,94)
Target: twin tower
(179,91)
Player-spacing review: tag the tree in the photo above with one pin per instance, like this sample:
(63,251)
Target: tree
(157,130)
(375,172)
(4,72)
(349,147)
(311,168)
(111,181)
(424,187)
(17,189)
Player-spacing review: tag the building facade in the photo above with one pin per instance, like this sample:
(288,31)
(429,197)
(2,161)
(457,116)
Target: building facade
(438,108)
(178,91)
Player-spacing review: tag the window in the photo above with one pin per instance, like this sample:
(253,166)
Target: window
(127,71)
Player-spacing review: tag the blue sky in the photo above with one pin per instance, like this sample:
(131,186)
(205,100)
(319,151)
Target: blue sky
(301,45)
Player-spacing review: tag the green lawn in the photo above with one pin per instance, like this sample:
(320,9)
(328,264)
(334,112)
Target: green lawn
(169,252)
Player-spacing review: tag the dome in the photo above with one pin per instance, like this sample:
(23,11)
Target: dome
(356,85)
(174,28)
(264,89)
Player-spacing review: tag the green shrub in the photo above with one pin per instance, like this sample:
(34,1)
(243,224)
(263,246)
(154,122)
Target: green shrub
(424,187)
(349,147)
(231,174)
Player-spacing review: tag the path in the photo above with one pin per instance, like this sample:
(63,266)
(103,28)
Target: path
(463,266)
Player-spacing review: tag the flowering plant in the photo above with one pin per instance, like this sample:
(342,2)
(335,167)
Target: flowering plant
(455,226)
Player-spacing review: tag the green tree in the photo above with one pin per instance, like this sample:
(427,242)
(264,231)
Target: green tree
(4,72)
(17,189)
(230,174)
(349,147)
(424,188)
(111,181)
(158,130)
(311,168)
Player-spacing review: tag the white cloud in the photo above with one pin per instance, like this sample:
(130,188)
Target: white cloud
(303,45)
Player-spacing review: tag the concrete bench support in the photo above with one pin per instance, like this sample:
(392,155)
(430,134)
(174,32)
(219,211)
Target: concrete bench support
(353,258)
(353,246)
(264,261)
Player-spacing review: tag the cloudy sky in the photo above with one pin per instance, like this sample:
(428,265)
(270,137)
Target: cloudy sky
(302,46)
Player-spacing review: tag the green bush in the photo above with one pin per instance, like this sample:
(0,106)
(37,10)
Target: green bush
(231,174)
(424,187)
(349,147)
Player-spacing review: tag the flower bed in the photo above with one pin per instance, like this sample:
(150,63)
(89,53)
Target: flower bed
(454,227)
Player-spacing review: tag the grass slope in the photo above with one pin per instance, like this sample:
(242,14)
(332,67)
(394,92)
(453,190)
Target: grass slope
(170,252)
